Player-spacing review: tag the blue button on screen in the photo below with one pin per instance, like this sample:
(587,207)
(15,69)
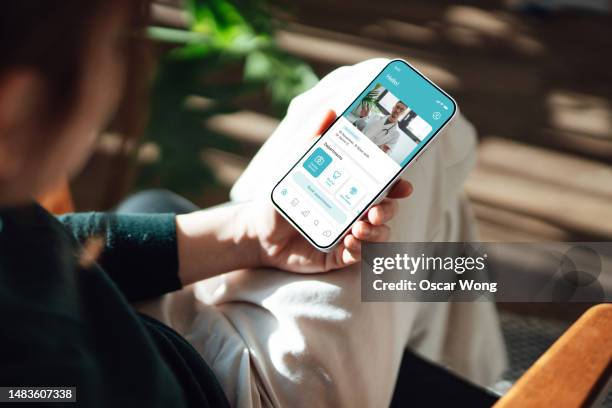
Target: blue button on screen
(317,162)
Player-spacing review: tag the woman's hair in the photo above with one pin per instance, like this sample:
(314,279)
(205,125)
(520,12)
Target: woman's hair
(51,37)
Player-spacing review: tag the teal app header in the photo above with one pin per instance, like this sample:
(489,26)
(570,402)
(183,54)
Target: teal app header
(418,93)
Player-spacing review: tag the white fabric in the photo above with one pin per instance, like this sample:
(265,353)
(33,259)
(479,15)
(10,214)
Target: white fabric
(289,340)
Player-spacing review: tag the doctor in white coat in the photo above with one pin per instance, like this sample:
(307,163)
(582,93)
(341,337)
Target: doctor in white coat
(383,130)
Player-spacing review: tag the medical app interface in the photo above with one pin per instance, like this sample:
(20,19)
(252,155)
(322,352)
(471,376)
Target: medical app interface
(367,146)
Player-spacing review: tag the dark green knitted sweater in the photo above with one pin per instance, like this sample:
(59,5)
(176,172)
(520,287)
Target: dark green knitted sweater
(62,324)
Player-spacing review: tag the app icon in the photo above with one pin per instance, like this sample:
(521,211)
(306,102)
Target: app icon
(351,194)
(333,177)
(317,162)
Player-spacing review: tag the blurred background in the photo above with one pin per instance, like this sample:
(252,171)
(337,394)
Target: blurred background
(534,77)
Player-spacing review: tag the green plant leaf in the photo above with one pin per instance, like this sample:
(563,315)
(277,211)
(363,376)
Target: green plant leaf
(226,54)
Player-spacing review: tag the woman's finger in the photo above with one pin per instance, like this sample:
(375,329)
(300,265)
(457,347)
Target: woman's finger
(342,256)
(349,257)
(380,233)
(401,189)
(352,243)
(383,212)
(365,231)
(361,230)
(328,119)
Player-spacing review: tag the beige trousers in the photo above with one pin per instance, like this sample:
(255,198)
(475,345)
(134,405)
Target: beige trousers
(288,340)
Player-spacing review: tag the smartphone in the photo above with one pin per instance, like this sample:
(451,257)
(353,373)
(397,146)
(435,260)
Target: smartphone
(362,153)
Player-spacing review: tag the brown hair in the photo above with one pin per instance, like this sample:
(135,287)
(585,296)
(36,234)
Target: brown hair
(51,37)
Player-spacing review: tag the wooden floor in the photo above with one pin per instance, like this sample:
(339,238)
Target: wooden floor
(538,90)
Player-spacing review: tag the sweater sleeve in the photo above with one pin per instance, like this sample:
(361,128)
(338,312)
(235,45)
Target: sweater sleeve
(138,251)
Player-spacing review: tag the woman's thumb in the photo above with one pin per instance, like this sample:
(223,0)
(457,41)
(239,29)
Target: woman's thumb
(326,122)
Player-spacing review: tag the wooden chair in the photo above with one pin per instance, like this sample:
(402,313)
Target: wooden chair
(576,371)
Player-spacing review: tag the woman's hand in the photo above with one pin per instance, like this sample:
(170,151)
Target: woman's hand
(253,234)
(281,246)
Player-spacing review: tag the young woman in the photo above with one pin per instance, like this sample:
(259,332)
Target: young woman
(65,285)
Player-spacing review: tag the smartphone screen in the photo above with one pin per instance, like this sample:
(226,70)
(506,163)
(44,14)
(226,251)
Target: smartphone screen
(365,150)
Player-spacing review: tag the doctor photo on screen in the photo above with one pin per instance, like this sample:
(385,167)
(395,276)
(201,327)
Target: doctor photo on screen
(383,130)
